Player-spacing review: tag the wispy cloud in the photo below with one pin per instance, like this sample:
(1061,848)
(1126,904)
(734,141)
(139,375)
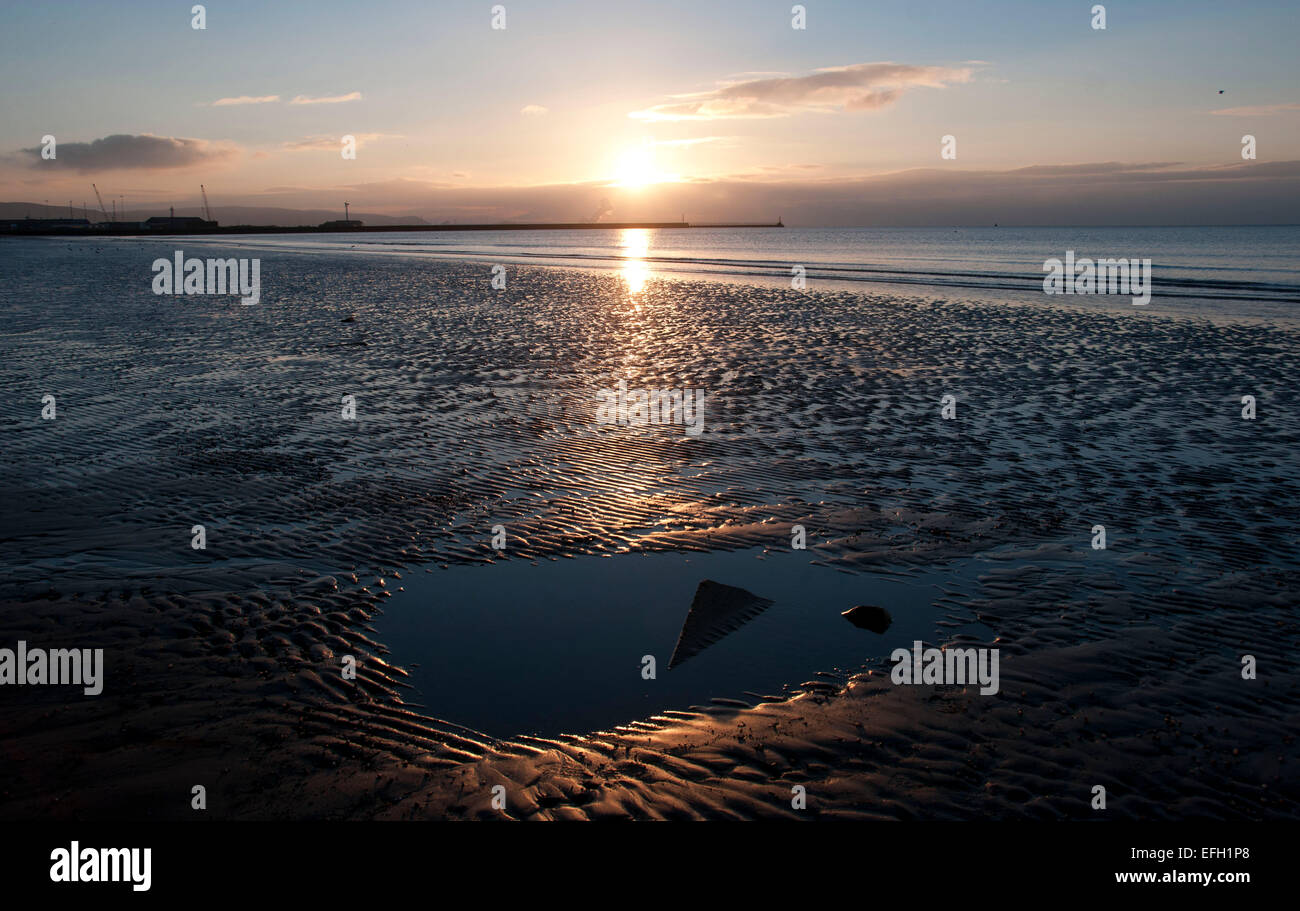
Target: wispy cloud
(783,169)
(326,99)
(1259,110)
(857,87)
(245,99)
(689,142)
(534,110)
(121,151)
(333,143)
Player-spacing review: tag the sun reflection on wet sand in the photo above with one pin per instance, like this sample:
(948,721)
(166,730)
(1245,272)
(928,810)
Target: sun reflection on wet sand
(635,243)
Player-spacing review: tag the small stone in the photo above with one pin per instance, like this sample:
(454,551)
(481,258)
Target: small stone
(868,617)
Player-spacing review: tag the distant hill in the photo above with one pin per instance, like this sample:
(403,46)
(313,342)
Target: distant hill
(226,215)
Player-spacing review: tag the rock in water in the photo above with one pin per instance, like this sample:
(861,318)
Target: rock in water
(716,611)
(868,617)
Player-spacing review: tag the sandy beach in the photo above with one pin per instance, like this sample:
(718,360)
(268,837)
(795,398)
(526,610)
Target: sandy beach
(475,408)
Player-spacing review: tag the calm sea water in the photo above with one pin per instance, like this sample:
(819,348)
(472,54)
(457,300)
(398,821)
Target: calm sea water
(1251,271)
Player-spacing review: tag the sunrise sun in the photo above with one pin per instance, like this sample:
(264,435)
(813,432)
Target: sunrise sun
(636,167)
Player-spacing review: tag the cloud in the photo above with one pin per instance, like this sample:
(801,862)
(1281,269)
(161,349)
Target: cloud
(1259,110)
(334,143)
(534,110)
(688,142)
(1098,193)
(749,75)
(782,169)
(313,143)
(857,87)
(327,99)
(246,99)
(1088,193)
(126,151)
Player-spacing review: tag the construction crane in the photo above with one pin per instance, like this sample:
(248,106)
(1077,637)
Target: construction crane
(101,201)
(207,212)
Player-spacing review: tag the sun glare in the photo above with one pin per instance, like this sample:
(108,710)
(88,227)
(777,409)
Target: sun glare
(636,167)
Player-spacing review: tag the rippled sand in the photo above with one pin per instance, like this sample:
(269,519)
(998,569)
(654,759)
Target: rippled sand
(476,407)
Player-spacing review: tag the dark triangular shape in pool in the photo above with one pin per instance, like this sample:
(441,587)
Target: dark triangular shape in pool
(716,611)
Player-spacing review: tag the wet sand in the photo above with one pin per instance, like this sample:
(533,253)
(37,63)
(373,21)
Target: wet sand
(475,408)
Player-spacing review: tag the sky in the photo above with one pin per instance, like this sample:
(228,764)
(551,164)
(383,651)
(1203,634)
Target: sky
(710,109)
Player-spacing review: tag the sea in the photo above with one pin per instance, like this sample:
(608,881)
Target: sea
(1244,271)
